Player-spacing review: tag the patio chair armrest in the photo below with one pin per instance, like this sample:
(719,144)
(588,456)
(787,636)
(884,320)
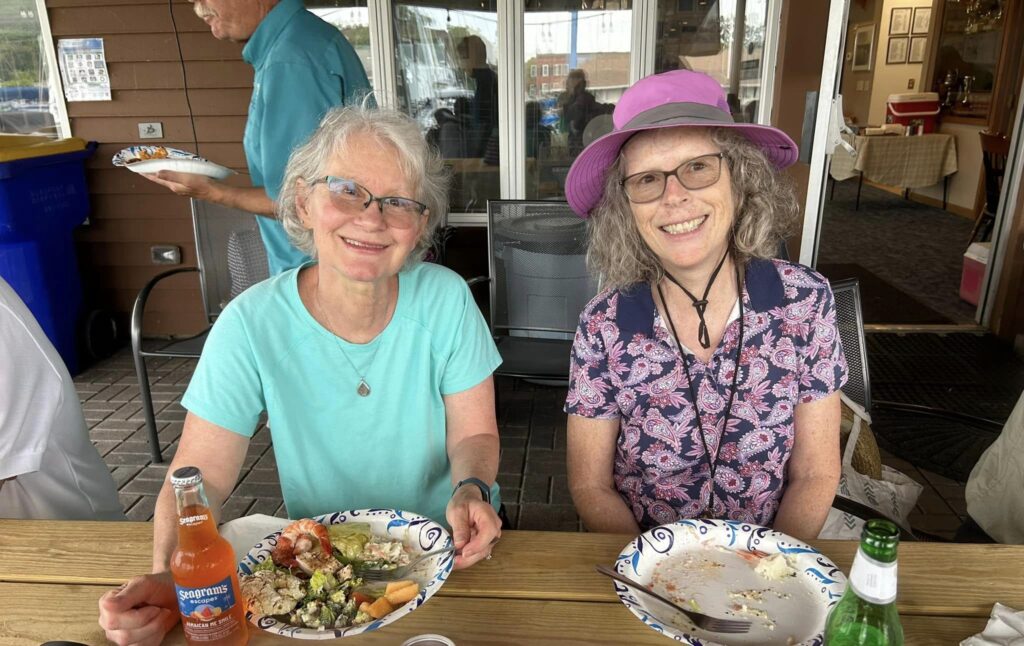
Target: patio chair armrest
(139,308)
(864,512)
(973,420)
(476,280)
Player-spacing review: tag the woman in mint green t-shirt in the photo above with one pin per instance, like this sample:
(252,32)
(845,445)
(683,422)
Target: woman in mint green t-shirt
(374,368)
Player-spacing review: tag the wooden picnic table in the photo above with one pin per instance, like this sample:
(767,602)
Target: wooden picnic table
(540,588)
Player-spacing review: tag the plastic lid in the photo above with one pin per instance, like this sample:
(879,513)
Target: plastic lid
(428,640)
(22,147)
(908,97)
(186,476)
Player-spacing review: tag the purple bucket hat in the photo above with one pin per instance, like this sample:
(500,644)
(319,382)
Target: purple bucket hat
(667,100)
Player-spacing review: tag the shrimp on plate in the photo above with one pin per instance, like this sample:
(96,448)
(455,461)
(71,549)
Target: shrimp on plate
(306,544)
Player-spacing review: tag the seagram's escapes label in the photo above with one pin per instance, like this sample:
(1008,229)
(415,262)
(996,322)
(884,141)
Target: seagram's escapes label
(205,604)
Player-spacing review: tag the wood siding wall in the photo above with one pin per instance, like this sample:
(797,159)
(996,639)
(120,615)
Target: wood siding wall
(129,213)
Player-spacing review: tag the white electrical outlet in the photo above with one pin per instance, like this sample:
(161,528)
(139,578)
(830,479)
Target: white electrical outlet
(151,130)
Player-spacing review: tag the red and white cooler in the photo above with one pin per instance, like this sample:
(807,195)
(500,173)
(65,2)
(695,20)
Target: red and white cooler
(917,106)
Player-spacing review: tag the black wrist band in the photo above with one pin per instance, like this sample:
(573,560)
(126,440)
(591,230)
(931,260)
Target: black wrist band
(485,490)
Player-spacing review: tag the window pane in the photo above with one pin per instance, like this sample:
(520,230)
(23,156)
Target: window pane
(721,38)
(352,18)
(583,56)
(446,63)
(27,106)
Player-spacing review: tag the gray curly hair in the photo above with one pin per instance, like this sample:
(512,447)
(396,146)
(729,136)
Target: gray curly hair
(418,160)
(766,211)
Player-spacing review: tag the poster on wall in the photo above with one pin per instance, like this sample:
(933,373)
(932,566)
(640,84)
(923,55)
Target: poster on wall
(899,21)
(917,48)
(922,20)
(897,51)
(83,69)
(863,48)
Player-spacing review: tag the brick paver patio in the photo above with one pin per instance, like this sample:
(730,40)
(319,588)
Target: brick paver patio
(530,420)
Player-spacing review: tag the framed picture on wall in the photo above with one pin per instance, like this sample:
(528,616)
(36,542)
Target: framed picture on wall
(918,44)
(922,21)
(863,48)
(899,21)
(897,51)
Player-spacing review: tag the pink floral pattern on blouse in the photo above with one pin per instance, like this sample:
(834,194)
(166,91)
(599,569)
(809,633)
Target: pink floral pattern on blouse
(625,365)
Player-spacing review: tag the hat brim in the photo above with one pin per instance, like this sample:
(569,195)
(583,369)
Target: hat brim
(584,184)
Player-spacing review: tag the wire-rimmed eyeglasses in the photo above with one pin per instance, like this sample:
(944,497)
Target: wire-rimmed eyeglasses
(347,195)
(649,185)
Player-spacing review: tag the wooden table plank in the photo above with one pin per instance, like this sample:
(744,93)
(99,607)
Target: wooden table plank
(935,578)
(466,621)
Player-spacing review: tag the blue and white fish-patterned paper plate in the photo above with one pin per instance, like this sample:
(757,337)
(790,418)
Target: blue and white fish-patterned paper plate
(152,159)
(418,533)
(708,565)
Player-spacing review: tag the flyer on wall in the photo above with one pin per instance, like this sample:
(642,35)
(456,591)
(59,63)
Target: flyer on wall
(83,69)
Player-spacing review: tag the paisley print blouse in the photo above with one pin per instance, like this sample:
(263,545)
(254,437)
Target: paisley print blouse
(625,366)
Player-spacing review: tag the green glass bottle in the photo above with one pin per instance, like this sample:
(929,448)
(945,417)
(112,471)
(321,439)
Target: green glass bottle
(866,615)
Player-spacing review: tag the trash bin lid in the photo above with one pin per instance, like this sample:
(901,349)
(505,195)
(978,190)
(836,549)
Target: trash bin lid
(14,147)
(542,228)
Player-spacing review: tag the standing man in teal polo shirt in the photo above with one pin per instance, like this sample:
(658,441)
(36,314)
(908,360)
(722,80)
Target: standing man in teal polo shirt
(304,66)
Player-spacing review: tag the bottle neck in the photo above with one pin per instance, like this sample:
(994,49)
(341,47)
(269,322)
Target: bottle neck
(879,540)
(196,526)
(872,580)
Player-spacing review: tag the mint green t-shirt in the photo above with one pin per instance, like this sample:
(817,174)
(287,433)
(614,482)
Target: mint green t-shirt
(334,449)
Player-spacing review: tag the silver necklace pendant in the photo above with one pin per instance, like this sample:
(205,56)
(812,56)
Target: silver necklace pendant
(364,388)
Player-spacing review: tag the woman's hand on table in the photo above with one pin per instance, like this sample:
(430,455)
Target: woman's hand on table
(141,611)
(475,526)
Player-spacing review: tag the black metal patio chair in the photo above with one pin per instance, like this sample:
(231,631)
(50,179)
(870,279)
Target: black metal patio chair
(231,257)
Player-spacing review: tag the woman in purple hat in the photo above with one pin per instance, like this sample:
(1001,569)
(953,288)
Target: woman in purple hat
(686,210)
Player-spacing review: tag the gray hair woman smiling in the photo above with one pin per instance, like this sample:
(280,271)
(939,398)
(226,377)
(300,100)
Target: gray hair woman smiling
(415,158)
(704,378)
(373,369)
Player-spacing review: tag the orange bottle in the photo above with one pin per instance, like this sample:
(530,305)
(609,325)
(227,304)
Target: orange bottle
(203,569)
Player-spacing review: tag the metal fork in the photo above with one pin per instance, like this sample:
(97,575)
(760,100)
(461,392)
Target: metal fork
(374,574)
(702,621)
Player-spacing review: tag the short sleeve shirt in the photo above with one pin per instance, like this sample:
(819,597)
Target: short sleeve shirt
(334,449)
(626,366)
(303,68)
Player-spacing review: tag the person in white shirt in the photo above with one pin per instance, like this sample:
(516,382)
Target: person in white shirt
(48,467)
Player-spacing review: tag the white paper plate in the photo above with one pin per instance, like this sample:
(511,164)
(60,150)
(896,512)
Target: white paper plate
(703,560)
(418,533)
(152,159)
(197,166)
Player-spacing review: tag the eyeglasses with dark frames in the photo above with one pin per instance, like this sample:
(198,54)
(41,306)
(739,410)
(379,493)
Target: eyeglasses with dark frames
(350,196)
(693,174)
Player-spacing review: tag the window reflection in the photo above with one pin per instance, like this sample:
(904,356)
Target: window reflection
(27,98)
(446,59)
(577,67)
(351,17)
(721,38)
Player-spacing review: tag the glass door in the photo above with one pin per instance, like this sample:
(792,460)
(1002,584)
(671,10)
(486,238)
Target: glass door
(446,60)
(576,66)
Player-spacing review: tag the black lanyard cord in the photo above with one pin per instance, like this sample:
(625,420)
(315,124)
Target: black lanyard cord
(702,304)
(712,461)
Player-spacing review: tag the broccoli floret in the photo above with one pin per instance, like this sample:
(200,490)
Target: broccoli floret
(361,618)
(338,596)
(322,582)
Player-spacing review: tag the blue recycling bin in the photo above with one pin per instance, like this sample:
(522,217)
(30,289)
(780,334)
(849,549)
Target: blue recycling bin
(42,199)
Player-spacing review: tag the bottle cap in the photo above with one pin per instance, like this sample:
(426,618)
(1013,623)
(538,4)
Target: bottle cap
(428,640)
(186,476)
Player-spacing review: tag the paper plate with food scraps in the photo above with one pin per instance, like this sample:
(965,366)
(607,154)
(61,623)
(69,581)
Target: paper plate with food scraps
(304,582)
(731,570)
(152,159)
